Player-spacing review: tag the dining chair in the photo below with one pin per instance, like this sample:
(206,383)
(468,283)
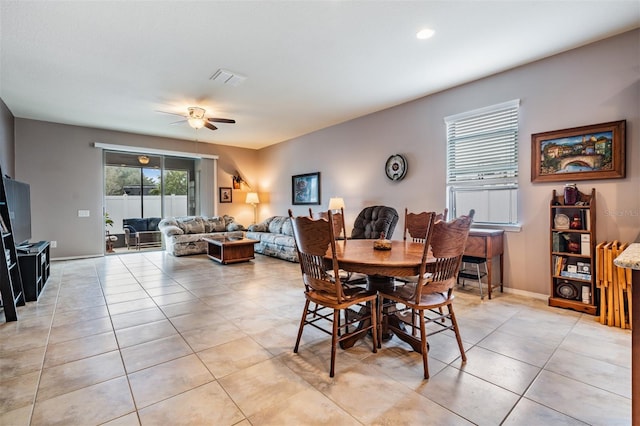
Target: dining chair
(416,226)
(432,292)
(340,232)
(339,227)
(314,239)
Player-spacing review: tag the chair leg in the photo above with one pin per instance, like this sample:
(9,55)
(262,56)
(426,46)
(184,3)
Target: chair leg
(381,318)
(374,324)
(423,344)
(457,332)
(303,320)
(414,315)
(334,341)
(479,280)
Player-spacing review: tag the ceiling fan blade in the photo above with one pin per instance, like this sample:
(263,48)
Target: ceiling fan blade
(178,122)
(209,126)
(172,113)
(221,120)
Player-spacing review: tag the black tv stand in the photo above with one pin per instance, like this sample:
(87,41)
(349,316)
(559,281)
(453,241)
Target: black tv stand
(35,267)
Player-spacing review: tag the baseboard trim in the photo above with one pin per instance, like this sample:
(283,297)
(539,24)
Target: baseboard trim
(525,293)
(89,256)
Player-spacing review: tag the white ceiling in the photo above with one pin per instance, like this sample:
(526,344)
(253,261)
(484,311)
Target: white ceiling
(309,64)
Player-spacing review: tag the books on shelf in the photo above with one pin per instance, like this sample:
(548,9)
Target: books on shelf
(579,270)
(579,276)
(585,244)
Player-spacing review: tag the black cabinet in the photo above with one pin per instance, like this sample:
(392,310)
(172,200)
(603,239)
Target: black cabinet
(35,268)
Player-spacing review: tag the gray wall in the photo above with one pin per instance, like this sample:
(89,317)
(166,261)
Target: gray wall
(66,175)
(593,84)
(7,153)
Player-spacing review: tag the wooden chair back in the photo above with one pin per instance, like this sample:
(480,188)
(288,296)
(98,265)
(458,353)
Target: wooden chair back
(339,227)
(443,215)
(447,242)
(416,225)
(314,237)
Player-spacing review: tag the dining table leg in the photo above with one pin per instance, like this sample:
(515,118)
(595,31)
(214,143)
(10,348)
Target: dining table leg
(378,283)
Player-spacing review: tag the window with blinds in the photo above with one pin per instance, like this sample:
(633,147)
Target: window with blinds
(482,163)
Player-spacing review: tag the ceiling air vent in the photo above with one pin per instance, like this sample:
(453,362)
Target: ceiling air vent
(228,77)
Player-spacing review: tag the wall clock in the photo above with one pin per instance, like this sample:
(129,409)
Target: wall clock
(396,167)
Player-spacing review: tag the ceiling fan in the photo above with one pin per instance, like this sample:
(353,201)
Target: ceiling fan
(196,118)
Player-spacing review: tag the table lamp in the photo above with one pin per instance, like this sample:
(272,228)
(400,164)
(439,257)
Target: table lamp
(252,198)
(336,203)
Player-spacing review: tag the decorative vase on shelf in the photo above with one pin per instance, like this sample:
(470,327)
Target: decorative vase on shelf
(570,194)
(573,247)
(576,222)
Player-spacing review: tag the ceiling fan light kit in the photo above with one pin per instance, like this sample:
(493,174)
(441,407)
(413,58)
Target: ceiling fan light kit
(196,123)
(196,119)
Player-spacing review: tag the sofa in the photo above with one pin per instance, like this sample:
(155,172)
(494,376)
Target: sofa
(183,236)
(275,236)
(148,225)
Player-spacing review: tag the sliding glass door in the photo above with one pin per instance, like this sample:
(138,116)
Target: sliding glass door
(139,186)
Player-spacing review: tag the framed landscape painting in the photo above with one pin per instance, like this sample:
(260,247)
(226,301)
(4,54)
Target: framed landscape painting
(305,189)
(580,153)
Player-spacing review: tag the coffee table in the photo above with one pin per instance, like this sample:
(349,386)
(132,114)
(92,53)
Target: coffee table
(230,249)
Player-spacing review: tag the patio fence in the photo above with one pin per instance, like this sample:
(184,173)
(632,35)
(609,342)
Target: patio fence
(128,206)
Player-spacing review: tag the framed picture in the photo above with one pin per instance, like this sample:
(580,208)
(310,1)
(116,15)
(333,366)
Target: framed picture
(226,194)
(305,189)
(580,153)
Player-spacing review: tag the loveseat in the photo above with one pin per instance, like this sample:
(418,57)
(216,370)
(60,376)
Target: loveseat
(276,238)
(183,235)
(147,225)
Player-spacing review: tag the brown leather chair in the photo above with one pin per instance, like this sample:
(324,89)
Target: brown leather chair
(374,221)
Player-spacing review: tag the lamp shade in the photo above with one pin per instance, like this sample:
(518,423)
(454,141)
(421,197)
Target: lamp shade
(336,203)
(252,198)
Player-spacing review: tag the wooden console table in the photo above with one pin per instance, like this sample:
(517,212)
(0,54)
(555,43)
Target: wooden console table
(487,243)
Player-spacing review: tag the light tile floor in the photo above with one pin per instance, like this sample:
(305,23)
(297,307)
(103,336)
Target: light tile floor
(147,338)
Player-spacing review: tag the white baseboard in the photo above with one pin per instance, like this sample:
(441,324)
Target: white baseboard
(89,256)
(525,293)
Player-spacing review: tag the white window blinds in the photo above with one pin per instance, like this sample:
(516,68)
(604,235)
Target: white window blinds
(482,145)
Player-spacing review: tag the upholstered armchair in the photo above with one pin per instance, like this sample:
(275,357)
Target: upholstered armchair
(374,220)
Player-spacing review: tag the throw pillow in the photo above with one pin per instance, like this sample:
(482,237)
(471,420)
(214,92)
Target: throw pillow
(234,227)
(172,230)
(258,227)
(287,227)
(214,224)
(192,225)
(275,227)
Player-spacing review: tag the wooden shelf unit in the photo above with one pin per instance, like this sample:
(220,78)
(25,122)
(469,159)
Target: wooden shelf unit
(573,266)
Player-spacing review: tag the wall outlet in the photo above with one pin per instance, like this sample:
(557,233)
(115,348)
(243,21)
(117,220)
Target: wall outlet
(83,213)
(53,244)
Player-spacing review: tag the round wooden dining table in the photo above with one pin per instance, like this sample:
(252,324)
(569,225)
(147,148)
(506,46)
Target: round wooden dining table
(403,260)
(381,266)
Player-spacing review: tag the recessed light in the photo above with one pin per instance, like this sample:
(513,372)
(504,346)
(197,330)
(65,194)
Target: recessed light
(425,33)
